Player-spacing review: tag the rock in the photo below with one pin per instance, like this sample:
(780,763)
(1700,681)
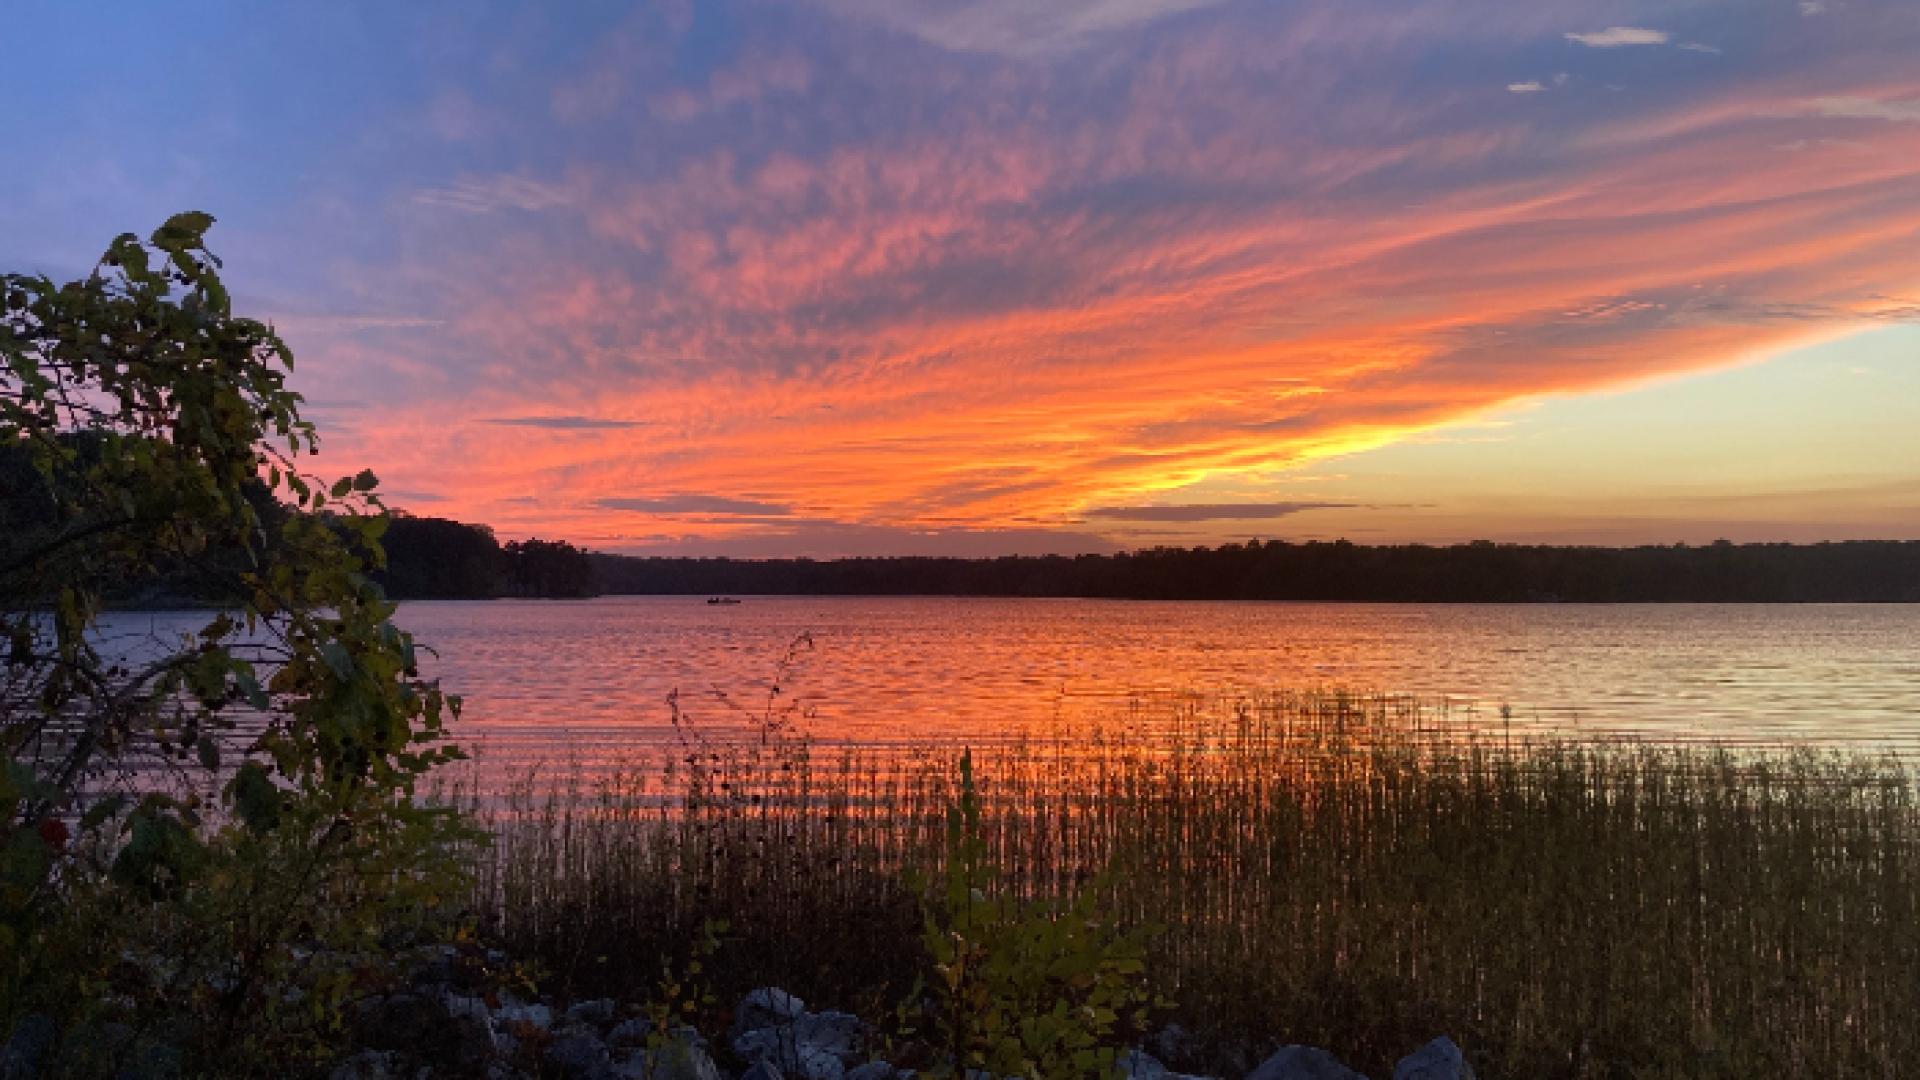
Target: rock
(875,1070)
(809,1046)
(1302,1063)
(762,1070)
(599,1012)
(28,1047)
(538,1016)
(766,1007)
(1140,1065)
(684,1057)
(843,1035)
(783,1047)
(628,1034)
(445,1031)
(578,1052)
(473,1021)
(1438,1060)
(1171,1043)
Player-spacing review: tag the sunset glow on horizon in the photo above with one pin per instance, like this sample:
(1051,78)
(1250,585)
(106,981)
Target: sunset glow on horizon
(859,277)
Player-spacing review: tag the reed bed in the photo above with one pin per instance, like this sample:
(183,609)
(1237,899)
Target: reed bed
(1335,869)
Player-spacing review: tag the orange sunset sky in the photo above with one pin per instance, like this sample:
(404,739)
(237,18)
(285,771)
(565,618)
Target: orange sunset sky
(906,276)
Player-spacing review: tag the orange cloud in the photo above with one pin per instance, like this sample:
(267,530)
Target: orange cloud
(1030,288)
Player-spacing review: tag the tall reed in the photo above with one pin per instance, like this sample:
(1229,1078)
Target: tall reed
(1342,870)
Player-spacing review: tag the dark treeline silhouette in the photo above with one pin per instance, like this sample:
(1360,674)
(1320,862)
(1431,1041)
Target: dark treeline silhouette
(439,559)
(427,558)
(1865,571)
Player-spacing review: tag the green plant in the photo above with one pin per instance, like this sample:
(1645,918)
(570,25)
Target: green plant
(684,991)
(207,849)
(1024,988)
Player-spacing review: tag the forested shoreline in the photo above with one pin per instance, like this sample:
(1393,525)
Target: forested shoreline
(1860,571)
(434,558)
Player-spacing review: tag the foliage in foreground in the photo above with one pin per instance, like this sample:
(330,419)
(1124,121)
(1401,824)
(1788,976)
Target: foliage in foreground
(1324,869)
(207,845)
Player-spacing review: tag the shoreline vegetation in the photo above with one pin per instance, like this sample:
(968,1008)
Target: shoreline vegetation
(437,558)
(1325,868)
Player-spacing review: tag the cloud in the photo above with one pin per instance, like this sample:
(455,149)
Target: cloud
(1615,37)
(1530,87)
(695,504)
(1902,111)
(834,541)
(1014,27)
(563,423)
(1165,249)
(1212,511)
(1700,47)
(489,194)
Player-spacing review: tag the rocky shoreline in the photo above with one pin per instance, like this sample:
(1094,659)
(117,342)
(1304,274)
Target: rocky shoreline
(441,1027)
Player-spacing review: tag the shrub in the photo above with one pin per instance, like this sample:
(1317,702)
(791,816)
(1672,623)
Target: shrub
(205,850)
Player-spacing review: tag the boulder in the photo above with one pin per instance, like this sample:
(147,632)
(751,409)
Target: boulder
(843,1035)
(807,1046)
(473,1022)
(599,1012)
(1302,1063)
(1140,1065)
(578,1052)
(1171,1043)
(628,1034)
(446,1031)
(796,1058)
(508,1016)
(762,1070)
(1438,1060)
(682,1057)
(766,1007)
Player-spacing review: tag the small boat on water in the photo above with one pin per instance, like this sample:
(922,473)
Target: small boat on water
(721,600)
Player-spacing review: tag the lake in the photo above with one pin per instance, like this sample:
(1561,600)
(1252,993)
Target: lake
(585,680)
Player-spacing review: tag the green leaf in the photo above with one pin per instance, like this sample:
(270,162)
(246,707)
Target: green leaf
(183,230)
(338,659)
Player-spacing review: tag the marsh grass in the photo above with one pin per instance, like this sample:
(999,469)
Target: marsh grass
(1340,870)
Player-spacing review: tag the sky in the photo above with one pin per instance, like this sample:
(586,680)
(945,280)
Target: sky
(830,277)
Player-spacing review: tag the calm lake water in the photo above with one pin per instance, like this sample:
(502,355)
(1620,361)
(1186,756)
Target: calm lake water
(588,682)
(583,680)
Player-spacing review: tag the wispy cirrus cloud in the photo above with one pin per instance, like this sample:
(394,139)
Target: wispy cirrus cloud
(1897,111)
(1616,37)
(564,423)
(1243,511)
(695,504)
(1015,27)
(488,194)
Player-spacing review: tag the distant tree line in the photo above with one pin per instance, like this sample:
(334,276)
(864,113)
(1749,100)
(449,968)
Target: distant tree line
(1855,571)
(427,558)
(439,559)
